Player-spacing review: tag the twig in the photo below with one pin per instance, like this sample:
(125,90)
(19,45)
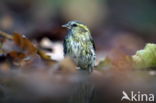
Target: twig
(6,35)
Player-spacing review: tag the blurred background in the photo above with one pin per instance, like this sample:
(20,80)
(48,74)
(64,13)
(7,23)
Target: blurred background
(120,26)
(127,25)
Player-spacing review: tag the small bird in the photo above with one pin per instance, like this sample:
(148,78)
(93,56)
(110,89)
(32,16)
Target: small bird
(79,45)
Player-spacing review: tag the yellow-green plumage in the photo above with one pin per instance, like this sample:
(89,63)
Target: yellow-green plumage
(79,45)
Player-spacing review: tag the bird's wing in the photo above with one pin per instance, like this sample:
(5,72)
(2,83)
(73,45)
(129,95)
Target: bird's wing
(93,43)
(64,46)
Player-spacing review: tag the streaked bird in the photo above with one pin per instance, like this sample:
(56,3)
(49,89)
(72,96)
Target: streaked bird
(79,45)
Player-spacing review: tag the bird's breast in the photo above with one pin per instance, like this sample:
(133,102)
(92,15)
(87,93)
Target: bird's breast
(75,47)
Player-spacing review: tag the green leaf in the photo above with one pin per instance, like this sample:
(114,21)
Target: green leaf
(145,58)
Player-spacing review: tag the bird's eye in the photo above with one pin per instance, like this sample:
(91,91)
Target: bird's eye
(74,25)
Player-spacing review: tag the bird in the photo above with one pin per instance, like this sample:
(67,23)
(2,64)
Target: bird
(79,45)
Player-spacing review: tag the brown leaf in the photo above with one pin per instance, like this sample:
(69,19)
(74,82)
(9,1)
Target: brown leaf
(120,60)
(16,55)
(24,43)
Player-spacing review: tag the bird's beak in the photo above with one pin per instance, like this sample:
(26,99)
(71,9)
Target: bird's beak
(65,26)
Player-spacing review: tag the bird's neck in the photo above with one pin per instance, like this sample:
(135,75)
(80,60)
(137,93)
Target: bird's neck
(81,36)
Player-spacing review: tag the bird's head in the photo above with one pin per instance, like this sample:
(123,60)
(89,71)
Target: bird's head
(76,26)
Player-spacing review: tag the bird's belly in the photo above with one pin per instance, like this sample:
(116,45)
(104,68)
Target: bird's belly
(82,55)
